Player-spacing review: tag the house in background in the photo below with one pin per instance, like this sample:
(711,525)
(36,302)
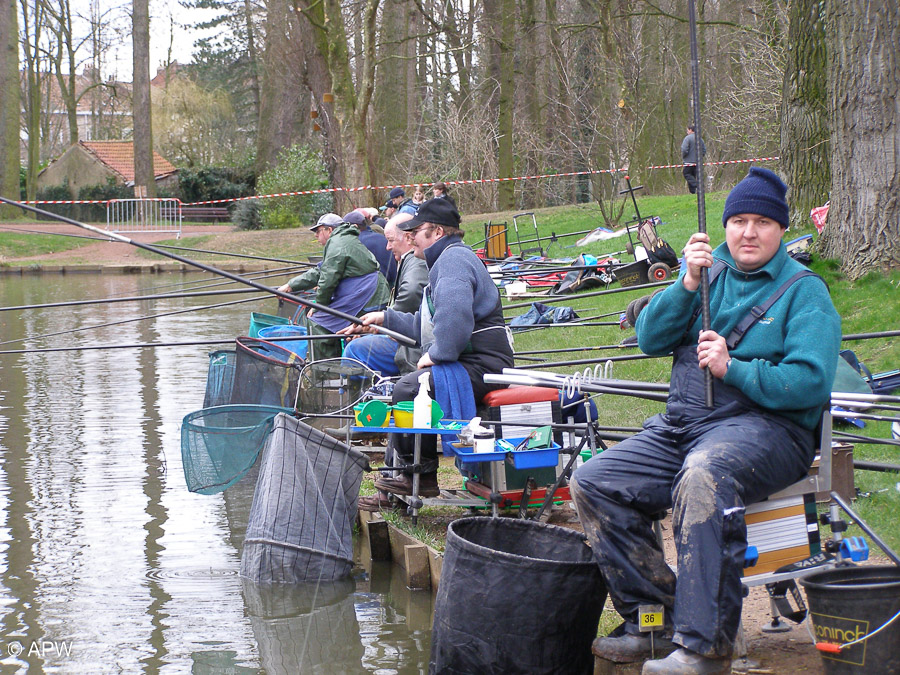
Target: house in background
(96,162)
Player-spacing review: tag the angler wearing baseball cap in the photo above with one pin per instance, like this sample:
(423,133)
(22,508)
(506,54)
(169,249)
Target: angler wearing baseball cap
(348,279)
(459,327)
(400,202)
(772,351)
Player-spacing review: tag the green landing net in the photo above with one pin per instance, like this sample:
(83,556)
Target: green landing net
(219,445)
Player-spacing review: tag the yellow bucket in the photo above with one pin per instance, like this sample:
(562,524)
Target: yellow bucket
(403,414)
(372,414)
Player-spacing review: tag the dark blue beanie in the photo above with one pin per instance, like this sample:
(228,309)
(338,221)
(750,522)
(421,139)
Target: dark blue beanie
(761,192)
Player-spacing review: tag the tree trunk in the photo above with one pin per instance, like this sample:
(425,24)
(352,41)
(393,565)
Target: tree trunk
(143,132)
(282,105)
(9,106)
(32,22)
(863,228)
(506,105)
(805,151)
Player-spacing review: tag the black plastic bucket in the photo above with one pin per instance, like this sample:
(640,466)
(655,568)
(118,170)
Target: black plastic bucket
(849,603)
(516,596)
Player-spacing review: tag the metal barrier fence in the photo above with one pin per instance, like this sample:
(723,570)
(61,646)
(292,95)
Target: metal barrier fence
(144,215)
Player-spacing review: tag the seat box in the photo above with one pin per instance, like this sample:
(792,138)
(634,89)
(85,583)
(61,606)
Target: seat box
(522,405)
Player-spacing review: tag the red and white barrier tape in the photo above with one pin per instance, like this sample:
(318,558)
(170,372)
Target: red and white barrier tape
(475,181)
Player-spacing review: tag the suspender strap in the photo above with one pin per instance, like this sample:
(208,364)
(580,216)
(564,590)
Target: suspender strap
(759,311)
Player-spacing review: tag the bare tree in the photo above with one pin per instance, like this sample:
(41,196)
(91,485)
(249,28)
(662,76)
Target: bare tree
(143,131)
(864,87)
(9,105)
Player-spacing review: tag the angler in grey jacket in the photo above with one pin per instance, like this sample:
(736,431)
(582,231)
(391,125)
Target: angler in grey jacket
(689,156)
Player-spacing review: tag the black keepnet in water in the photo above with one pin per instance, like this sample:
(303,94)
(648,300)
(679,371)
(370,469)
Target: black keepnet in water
(516,596)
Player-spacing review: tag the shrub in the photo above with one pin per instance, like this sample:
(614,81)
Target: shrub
(245,215)
(298,168)
(215,182)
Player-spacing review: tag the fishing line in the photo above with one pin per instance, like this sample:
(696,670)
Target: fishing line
(133,298)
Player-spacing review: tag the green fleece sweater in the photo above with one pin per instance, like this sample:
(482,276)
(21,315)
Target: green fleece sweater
(786,360)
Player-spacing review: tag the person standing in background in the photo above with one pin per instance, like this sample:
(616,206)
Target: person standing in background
(689,155)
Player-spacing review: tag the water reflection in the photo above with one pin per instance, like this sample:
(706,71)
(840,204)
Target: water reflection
(107,563)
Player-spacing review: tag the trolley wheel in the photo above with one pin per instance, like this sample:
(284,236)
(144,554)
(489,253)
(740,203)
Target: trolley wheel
(630,316)
(639,305)
(629,247)
(659,271)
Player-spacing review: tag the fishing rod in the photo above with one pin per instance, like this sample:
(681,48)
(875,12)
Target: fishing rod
(592,294)
(131,298)
(134,319)
(572,324)
(213,282)
(108,238)
(554,378)
(867,336)
(582,362)
(552,238)
(563,350)
(591,387)
(154,345)
(209,268)
(706,320)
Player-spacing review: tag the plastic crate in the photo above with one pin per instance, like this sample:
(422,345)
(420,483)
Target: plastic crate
(534,458)
(258,321)
(299,347)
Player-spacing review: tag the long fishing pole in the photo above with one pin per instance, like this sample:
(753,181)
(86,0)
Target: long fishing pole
(563,350)
(80,329)
(706,320)
(108,237)
(213,282)
(583,362)
(154,345)
(209,268)
(130,298)
(592,294)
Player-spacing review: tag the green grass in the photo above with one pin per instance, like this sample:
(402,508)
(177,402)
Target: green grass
(21,245)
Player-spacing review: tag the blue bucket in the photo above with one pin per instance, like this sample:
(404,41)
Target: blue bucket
(299,347)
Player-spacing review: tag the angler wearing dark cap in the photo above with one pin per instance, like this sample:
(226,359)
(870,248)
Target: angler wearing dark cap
(773,370)
(459,326)
(400,203)
(347,279)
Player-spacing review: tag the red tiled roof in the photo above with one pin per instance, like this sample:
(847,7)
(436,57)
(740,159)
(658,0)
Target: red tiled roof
(119,156)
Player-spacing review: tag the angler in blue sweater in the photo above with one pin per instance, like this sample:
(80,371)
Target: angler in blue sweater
(459,326)
(772,379)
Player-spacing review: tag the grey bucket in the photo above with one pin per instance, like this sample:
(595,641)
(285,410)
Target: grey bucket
(849,603)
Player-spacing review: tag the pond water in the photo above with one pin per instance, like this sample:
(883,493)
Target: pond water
(107,562)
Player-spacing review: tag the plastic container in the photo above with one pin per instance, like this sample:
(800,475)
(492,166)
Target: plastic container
(422,404)
(258,321)
(484,442)
(372,414)
(537,601)
(299,347)
(848,603)
(403,414)
(534,458)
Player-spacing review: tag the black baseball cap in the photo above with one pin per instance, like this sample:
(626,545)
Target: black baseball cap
(437,211)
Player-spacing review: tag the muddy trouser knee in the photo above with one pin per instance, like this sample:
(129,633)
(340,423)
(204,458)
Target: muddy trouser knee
(707,473)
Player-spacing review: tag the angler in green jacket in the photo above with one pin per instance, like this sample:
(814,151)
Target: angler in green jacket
(347,279)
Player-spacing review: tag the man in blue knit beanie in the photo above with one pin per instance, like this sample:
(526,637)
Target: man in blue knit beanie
(772,373)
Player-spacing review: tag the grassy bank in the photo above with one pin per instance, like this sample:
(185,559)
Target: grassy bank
(866,305)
